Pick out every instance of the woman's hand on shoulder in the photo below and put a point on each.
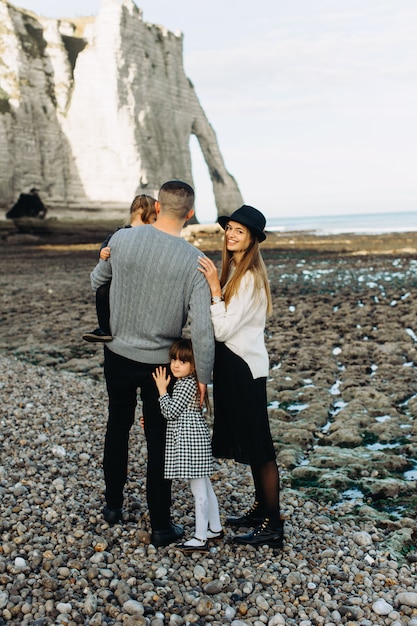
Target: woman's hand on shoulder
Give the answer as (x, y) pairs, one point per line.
(209, 270)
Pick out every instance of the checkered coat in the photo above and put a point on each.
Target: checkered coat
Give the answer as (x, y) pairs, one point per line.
(188, 447)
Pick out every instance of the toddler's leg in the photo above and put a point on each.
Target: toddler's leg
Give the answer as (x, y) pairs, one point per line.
(199, 491)
(102, 333)
(103, 307)
(199, 541)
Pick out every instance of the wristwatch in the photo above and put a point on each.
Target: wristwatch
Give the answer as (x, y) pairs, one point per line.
(216, 299)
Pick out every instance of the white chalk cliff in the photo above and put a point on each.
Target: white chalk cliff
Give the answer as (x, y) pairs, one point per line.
(96, 110)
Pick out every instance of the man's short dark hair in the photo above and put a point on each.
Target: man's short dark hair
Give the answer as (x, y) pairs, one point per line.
(176, 197)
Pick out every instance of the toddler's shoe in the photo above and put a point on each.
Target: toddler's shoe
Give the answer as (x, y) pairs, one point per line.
(194, 545)
(215, 535)
(97, 336)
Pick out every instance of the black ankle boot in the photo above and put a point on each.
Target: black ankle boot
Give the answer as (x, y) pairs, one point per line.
(267, 533)
(252, 517)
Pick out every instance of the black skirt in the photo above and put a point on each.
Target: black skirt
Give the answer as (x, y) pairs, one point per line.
(241, 425)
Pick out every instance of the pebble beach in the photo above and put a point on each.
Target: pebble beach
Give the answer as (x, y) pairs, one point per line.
(342, 387)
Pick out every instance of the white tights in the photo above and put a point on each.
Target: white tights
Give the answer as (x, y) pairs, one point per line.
(206, 507)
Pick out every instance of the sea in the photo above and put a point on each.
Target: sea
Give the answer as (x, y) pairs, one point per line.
(358, 223)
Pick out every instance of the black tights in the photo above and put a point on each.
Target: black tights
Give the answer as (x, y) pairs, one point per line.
(267, 487)
(103, 307)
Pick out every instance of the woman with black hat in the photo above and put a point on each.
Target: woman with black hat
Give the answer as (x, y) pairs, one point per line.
(241, 300)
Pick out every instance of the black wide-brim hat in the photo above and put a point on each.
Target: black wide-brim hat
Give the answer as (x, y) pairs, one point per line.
(248, 216)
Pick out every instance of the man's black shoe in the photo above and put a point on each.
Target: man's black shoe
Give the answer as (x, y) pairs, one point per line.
(161, 538)
(97, 336)
(112, 516)
(253, 517)
(268, 534)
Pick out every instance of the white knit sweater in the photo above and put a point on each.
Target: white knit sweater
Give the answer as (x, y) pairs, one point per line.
(241, 325)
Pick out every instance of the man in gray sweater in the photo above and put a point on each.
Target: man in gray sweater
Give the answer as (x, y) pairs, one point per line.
(155, 288)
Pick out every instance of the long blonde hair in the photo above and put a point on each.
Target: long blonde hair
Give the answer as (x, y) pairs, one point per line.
(251, 261)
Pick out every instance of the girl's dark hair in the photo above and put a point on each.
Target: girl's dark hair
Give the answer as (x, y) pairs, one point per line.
(182, 349)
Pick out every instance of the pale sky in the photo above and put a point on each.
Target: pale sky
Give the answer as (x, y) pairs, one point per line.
(313, 101)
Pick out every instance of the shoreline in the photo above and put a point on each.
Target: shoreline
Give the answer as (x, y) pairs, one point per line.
(44, 234)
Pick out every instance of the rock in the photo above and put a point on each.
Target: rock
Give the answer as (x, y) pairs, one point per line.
(351, 612)
(213, 587)
(262, 603)
(199, 572)
(204, 606)
(387, 487)
(362, 539)
(133, 607)
(90, 604)
(408, 598)
(229, 612)
(344, 437)
(4, 598)
(381, 607)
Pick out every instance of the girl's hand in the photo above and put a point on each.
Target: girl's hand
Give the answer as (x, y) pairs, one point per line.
(208, 268)
(105, 253)
(161, 379)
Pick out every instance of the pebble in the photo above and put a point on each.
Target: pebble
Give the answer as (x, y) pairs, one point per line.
(4, 598)
(408, 598)
(133, 607)
(90, 604)
(60, 563)
(204, 606)
(64, 607)
(381, 607)
(362, 538)
(199, 572)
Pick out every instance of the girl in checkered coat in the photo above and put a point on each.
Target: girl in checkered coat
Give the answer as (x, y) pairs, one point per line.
(188, 449)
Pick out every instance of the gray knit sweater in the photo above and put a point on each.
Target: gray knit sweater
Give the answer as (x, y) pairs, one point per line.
(155, 288)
